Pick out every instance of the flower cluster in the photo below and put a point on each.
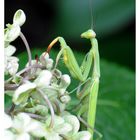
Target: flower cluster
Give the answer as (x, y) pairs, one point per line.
(10, 34)
(23, 127)
(39, 95)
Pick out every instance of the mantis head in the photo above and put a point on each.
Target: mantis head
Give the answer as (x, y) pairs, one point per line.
(88, 34)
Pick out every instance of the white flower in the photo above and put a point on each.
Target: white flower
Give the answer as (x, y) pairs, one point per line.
(43, 79)
(34, 71)
(74, 134)
(43, 58)
(11, 32)
(71, 119)
(23, 92)
(10, 50)
(8, 135)
(49, 64)
(60, 127)
(24, 126)
(7, 121)
(67, 125)
(82, 135)
(46, 61)
(19, 17)
(65, 98)
(11, 65)
(65, 81)
(11, 62)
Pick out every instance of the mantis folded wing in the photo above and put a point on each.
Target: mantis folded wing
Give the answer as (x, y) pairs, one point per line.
(82, 72)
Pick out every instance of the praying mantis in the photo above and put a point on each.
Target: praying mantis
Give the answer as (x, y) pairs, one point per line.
(81, 73)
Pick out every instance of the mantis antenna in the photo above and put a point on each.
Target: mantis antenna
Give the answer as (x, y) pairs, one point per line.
(91, 12)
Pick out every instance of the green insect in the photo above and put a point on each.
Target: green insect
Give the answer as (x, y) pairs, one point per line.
(81, 73)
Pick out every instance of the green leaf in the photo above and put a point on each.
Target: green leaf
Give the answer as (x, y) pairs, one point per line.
(116, 109)
(73, 16)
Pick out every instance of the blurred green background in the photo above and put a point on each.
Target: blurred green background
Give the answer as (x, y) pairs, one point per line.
(114, 24)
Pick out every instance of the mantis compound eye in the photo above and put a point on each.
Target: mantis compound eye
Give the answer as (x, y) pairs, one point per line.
(88, 34)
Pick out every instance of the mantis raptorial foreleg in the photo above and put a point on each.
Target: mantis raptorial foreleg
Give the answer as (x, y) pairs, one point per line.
(70, 60)
(82, 73)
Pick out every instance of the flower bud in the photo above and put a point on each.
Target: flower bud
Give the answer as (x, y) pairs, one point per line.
(43, 79)
(65, 81)
(43, 58)
(57, 73)
(12, 65)
(49, 64)
(34, 71)
(65, 99)
(19, 18)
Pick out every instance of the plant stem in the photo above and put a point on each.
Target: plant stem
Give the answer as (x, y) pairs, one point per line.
(35, 116)
(27, 47)
(49, 105)
(25, 70)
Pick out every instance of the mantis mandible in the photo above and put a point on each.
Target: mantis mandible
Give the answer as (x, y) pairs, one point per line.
(81, 73)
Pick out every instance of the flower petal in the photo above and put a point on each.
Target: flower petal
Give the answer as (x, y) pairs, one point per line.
(43, 79)
(23, 136)
(63, 128)
(20, 122)
(11, 33)
(12, 65)
(83, 135)
(52, 136)
(8, 135)
(71, 119)
(57, 121)
(36, 129)
(10, 50)
(7, 121)
(43, 58)
(22, 93)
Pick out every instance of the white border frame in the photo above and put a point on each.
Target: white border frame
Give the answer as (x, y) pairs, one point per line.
(1, 68)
